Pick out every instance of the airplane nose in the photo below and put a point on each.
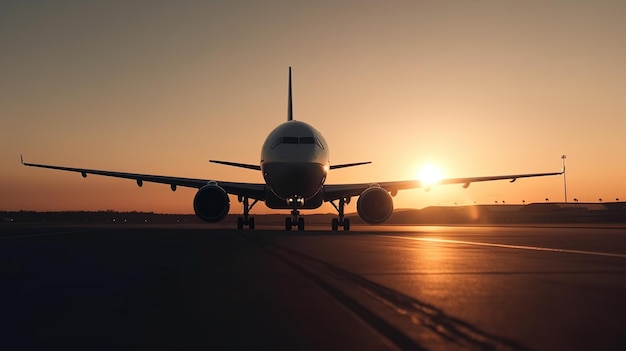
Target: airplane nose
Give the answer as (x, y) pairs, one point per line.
(303, 179)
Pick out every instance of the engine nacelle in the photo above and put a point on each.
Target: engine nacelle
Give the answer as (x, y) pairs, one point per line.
(211, 203)
(374, 205)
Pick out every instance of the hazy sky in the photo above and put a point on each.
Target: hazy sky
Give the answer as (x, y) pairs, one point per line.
(474, 87)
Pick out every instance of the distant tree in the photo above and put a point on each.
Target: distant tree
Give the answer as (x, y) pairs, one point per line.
(575, 200)
(617, 199)
(600, 199)
(503, 202)
(547, 199)
(523, 202)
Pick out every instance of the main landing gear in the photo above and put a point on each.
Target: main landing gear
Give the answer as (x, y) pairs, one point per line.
(295, 220)
(246, 219)
(340, 221)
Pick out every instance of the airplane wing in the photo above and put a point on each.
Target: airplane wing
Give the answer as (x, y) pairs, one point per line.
(349, 165)
(338, 191)
(240, 165)
(251, 190)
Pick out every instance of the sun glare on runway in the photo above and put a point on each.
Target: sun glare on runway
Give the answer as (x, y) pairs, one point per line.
(429, 174)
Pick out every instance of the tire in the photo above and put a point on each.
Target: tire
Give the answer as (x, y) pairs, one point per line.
(346, 225)
(251, 223)
(288, 223)
(300, 224)
(240, 223)
(334, 224)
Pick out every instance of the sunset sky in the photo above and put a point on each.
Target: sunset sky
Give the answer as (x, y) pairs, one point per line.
(474, 88)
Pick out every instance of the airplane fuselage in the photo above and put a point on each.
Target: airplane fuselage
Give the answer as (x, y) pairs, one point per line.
(294, 163)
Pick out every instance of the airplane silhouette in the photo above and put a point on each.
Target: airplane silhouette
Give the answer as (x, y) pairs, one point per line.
(294, 163)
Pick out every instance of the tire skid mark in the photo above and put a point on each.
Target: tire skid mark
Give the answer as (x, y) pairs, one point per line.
(452, 331)
(395, 336)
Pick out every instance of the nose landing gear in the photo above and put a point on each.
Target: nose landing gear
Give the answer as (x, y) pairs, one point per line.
(291, 222)
(295, 220)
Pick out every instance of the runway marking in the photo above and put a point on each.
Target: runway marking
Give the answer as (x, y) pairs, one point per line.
(40, 234)
(507, 246)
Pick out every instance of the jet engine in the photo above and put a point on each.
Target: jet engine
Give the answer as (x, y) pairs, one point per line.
(374, 205)
(211, 203)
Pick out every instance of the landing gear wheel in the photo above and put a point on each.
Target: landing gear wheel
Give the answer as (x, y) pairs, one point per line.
(251, 223)
(288, 223)
(341, 220)
(240, 223)
(246, 220)
(300, 224)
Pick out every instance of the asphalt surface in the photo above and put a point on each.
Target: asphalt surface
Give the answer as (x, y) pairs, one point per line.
(191, 287)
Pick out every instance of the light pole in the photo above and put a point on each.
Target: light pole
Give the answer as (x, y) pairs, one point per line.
(564, 181)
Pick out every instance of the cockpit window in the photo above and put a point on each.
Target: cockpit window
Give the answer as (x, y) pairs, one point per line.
(290, 140)
(319, 143)
(296, 140)
(276, 142)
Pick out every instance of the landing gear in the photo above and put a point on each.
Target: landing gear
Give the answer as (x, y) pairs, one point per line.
(241, 222)
(295, 220)
(340, 221)
(246, 219)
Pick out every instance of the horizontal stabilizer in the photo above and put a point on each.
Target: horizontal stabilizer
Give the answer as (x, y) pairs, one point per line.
(349, 165)
(240, 165)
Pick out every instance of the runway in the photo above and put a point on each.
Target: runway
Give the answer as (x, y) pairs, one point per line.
(386, 287)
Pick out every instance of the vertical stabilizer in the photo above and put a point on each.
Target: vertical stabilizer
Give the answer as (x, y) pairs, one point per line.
(289, 106)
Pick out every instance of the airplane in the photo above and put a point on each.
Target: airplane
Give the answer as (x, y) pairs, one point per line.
(294, 163)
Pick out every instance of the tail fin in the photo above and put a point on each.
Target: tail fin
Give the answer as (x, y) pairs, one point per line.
(289, 106)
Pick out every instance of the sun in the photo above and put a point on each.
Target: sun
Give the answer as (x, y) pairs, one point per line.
(429, 175)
